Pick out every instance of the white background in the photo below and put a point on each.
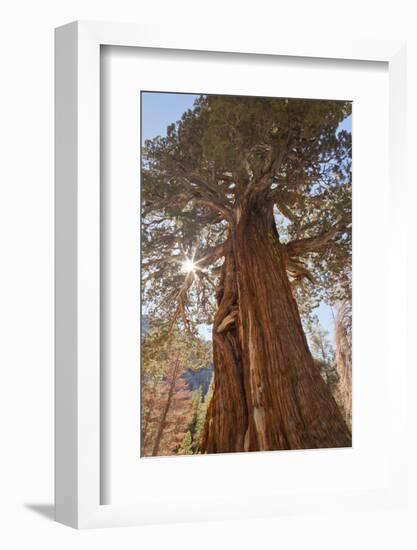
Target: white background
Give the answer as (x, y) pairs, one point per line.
(366, 465)
(26, 217)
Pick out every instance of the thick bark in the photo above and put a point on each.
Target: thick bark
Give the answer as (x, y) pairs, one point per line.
(226, 420)
(268, 393)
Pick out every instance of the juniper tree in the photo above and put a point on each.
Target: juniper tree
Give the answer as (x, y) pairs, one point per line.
(246, 208)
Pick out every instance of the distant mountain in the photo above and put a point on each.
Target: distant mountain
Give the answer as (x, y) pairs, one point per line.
(193, 378)
(144, 326)
(197, 378)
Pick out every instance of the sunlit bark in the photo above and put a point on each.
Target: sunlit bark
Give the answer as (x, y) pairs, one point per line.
(268, 392)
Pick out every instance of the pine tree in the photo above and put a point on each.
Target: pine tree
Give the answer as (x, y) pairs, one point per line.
(186, 447)
(167, 403)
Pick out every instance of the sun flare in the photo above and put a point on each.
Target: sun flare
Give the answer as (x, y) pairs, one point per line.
(188, 266)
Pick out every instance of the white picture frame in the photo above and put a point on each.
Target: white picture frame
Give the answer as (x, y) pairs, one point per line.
(78, 411)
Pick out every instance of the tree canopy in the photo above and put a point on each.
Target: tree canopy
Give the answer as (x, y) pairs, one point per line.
(195, 178)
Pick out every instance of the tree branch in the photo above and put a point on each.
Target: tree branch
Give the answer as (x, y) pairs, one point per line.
(209, 256)
(272, 165)
(183, 199)
(214, 205)
(179, 296)
(311, 244)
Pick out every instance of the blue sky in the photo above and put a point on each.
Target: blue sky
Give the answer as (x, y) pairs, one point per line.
(161, 109)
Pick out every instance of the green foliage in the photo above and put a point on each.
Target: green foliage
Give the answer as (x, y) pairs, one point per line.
(186, 447)
(191, 441)
(194, 179)
(168, 406)
(318, 338)
(323, 352)
(161, 342)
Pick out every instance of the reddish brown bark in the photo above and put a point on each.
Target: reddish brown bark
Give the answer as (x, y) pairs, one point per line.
(268, 393)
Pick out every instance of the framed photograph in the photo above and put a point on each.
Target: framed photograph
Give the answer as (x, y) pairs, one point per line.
(222, 349)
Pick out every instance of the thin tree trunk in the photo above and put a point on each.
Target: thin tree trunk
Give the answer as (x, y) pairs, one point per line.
(343, 324)
(146, 418)
(268, 393)
(166, 409)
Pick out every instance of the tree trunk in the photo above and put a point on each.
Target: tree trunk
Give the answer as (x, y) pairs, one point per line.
(162, 423)
(268, 393)
(146, 418)
(344, 358)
